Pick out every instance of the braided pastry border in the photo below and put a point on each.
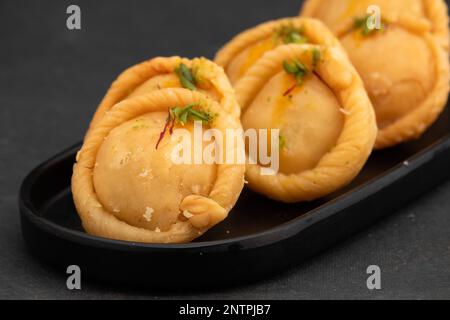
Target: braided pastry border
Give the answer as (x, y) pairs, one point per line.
(136, 75)
(436, 33)
(415, 123)
(314, 30)
(338, 167)
(98, 221)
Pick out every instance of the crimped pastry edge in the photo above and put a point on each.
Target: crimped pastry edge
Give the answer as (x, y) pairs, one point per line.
(136, 75)
(98, 221)
(436, 33)
(338, 167)
(314, 29)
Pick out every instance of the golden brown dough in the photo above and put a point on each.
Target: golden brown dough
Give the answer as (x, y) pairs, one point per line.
(404, 66)
(244, 50)
(326, 121)
(160, 73)
(125, 184)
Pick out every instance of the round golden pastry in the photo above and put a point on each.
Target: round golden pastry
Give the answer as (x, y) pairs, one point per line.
(125, 188)
(327, 123)
(404, 66)
(161, 73)
(244, 50)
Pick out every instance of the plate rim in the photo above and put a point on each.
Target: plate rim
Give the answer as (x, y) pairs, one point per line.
(259, 239)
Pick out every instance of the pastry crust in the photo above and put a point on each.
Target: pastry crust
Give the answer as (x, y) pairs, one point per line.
(425, 19)
(344, 161)
(204, 211)
(314, 30)
(134, 77)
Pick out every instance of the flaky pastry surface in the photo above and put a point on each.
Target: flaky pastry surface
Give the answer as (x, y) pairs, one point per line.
(354, 142)
(198, 210)
(404, 66)
(159, 73)
(255, 42)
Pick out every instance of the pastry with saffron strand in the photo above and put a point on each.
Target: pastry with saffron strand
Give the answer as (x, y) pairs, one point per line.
(244, 50)
(198, 74)
(401, 53)
(315, 98)
(126, 183)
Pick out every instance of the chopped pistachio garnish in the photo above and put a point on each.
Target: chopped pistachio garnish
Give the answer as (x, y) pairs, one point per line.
(182, 116)
(362, 23)
(316, 56)
(290, 34)
(281, 142)
(186, 78)
(188, 113)
(296, 68)
(202, 72)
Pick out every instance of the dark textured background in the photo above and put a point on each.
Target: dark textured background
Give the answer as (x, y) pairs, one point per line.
(51, 80)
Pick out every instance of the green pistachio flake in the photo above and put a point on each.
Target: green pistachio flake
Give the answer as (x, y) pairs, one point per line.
(290, 34)
(185, 76)
(188, 113)
(296, 68)
(361, 23)
(281, 142)
(316, 56)
(183, 116)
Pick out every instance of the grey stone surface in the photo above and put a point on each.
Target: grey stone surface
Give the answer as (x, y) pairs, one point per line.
(51, 79)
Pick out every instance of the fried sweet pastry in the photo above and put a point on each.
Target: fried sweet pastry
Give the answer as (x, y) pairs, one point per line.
(198, 74)
(125, 184)
(245, 49)
(315, 97)
(404, 65)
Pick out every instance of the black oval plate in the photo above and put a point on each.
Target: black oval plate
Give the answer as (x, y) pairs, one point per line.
(260, 237)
